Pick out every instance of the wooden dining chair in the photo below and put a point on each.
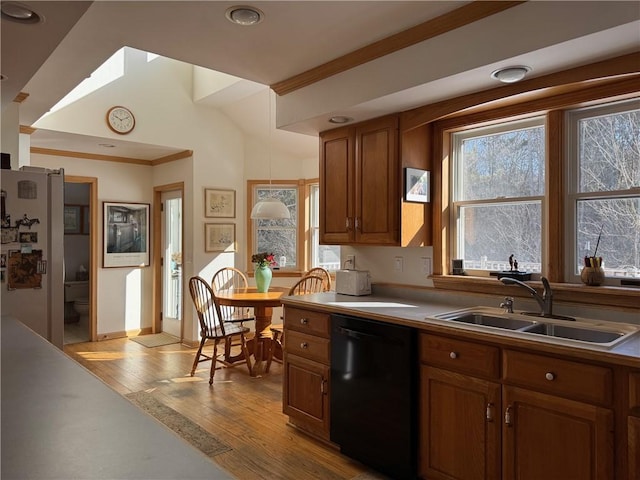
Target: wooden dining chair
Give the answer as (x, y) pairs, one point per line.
(307, 284)
(230, 278)
(211, 328)
(321, 272)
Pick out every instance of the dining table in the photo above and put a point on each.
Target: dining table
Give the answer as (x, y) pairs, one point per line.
(262, 304)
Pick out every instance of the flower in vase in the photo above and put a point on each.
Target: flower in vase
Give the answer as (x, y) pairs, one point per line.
(263, 259)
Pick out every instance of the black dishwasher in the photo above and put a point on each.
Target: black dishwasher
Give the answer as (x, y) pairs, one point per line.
(374, 394)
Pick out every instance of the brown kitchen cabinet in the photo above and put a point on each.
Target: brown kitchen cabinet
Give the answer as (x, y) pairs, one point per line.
(633, 425)
(359, 184)
(306, 370)
(552, 416)
(460, 426)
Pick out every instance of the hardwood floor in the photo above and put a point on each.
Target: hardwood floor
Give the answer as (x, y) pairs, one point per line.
(243, 412)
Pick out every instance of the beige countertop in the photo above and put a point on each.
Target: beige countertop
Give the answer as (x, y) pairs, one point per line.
(421, 315)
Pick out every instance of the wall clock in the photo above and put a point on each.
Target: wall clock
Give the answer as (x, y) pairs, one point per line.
(120, 120)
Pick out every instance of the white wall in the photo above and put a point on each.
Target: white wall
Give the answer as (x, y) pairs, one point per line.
(160, 96)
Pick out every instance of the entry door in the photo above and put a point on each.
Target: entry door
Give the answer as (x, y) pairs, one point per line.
(172, 263)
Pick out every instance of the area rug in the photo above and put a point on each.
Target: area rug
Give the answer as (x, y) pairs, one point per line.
(192, 433)
(155, 340)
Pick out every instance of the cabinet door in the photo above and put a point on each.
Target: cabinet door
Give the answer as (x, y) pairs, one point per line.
(634, 447)
(306, 394)
(551, 437)
(377, 187)
(336, 186)
(460, 420)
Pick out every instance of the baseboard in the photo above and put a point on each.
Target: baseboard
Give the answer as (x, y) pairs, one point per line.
(123, 334)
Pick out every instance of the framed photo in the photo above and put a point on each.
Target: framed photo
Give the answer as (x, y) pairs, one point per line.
(72, 219)
(417, 185)
(219, 203)
(126, 234)
(10, 235)
(219, 237)
(28, 237)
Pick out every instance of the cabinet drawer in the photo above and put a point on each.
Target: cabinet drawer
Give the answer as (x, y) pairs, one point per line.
(564, 378)
(307, 346)
(468, 357)
(634, 393)
(307, 321)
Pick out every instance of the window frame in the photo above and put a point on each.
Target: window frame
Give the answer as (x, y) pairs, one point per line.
(572, 174)
(457, 137)
(553, 102)
(301, 243)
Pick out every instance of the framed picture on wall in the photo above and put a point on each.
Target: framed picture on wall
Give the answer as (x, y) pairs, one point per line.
(219, 237)
(72, 219)
(126, 234)
(416, 185)
(219, 203)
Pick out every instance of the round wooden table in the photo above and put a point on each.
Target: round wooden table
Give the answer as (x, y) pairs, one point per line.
(262, 304)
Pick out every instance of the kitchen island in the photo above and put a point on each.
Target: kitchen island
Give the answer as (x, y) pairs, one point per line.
(505, 398)
(61, 422)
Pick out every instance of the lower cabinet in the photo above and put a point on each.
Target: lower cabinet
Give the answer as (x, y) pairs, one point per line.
(306, 398)
(460, 426)
(531, 422)
(307, 369)
(550, 437)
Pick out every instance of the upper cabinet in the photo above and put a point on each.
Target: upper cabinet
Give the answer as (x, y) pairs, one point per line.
(361, 178)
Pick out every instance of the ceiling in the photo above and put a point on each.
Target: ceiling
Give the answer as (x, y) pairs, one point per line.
(48, 59)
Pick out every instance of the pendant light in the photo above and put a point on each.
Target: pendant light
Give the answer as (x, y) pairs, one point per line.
(270, 208)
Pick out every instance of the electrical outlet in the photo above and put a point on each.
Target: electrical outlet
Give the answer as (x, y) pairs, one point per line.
(398, 264)
(350, 262)
(426, 265)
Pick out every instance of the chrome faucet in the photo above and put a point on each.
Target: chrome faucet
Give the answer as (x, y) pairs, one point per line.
(545, 301)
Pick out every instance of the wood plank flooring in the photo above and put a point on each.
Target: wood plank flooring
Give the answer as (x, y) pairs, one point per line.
(244, 412)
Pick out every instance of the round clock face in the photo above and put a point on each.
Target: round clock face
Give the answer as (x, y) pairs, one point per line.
(120, 120)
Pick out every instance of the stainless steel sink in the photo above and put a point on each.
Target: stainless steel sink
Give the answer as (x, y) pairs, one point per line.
(478, 318)
(574, 333)
(557, 329)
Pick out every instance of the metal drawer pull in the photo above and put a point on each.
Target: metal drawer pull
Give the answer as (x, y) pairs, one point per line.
(304, 321)
(507, 416)
(549, 376)
(453, 355)
(304, 345)
(489, 412)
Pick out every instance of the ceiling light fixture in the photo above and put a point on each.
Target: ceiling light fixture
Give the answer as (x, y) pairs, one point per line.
(244, 15)
(16, 12)
(511, 74)
(270, 208)
(340, 119)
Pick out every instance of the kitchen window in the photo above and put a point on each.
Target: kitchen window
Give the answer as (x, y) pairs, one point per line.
(325, 256)
(295, 241)
(604, 189)
(279, 237)
(498, 192)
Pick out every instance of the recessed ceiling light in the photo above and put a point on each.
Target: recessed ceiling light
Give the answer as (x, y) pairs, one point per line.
(16, 12)
(340, 119)
(511, 74)
(244, 15)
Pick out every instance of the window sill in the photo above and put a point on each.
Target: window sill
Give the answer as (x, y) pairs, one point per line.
(624, 298)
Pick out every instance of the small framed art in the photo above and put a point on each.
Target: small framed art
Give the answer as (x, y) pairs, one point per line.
(416, 185)
(219, 237)
(219, 203)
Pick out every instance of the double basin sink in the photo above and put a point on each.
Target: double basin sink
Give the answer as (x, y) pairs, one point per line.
(559, 329)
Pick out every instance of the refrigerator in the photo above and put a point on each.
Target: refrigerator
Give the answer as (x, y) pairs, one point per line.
(32, 257)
